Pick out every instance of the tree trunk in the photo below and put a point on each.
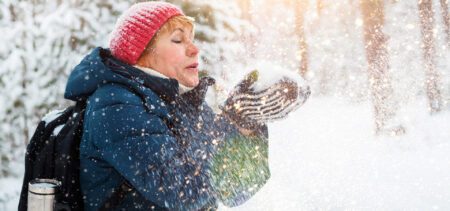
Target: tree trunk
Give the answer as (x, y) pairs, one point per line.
(431, 74)
(300, 7)
(378, 67)
(319, 7)
(446, 19)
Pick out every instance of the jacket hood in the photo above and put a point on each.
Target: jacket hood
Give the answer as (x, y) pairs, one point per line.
(100, 67)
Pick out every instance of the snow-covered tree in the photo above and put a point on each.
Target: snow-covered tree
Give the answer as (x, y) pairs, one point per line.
(446, 19)
(385, 104)
(42, 42)
(431, 73)
(300, 7)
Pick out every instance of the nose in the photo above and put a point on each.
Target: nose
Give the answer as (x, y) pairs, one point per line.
(192, 50)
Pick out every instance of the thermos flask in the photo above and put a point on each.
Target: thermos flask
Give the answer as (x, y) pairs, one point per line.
(42, 194)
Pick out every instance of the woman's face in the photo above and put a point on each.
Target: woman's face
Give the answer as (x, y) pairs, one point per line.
(175, 55)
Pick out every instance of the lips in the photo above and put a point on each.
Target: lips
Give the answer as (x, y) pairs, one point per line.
(192, 67)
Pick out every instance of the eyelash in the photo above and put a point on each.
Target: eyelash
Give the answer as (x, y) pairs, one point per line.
(180, 41)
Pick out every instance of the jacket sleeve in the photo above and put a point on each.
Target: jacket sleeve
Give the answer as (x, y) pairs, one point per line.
(240, 166)
(144, 151)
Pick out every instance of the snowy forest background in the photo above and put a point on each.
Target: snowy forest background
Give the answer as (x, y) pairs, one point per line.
(374, 134)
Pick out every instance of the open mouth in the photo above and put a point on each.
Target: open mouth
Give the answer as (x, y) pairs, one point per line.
(192, 67)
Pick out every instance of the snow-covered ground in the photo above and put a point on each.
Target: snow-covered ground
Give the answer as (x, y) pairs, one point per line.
(325, 156)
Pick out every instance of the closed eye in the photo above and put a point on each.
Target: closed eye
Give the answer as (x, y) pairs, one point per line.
(176, 41)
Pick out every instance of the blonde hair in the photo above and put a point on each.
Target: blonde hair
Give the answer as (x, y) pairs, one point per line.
(168, 27)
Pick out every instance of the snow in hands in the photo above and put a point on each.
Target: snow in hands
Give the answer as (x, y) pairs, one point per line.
(267, 94)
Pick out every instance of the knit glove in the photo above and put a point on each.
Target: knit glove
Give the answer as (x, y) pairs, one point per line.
(250, 107)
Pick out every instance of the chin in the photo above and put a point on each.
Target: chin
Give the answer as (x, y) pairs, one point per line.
(194, 83)
(190, 83)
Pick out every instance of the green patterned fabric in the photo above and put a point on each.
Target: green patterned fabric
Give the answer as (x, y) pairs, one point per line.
(240, 168)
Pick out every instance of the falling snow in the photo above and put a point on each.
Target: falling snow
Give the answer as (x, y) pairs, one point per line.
(324, 156)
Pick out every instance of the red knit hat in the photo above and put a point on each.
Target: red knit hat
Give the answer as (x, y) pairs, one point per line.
(137, 26)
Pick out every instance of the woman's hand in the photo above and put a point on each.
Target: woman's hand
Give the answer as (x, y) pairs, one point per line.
(250, 108)
(244, 131)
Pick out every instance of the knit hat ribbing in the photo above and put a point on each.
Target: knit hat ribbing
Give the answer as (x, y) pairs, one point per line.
(136, 27)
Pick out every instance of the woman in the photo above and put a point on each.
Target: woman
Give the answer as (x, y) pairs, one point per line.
(146, 122)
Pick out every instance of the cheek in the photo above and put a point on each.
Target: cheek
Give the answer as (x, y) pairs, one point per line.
(169, 62)
(172, 57)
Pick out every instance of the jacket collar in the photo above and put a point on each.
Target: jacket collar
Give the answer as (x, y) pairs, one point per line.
(196, 96)
(182, 88)
(166, 88)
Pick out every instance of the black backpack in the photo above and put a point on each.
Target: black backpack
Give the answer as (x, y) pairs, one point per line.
(53, 153)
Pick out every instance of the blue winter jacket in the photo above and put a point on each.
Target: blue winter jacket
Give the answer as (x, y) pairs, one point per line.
(139, 128)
